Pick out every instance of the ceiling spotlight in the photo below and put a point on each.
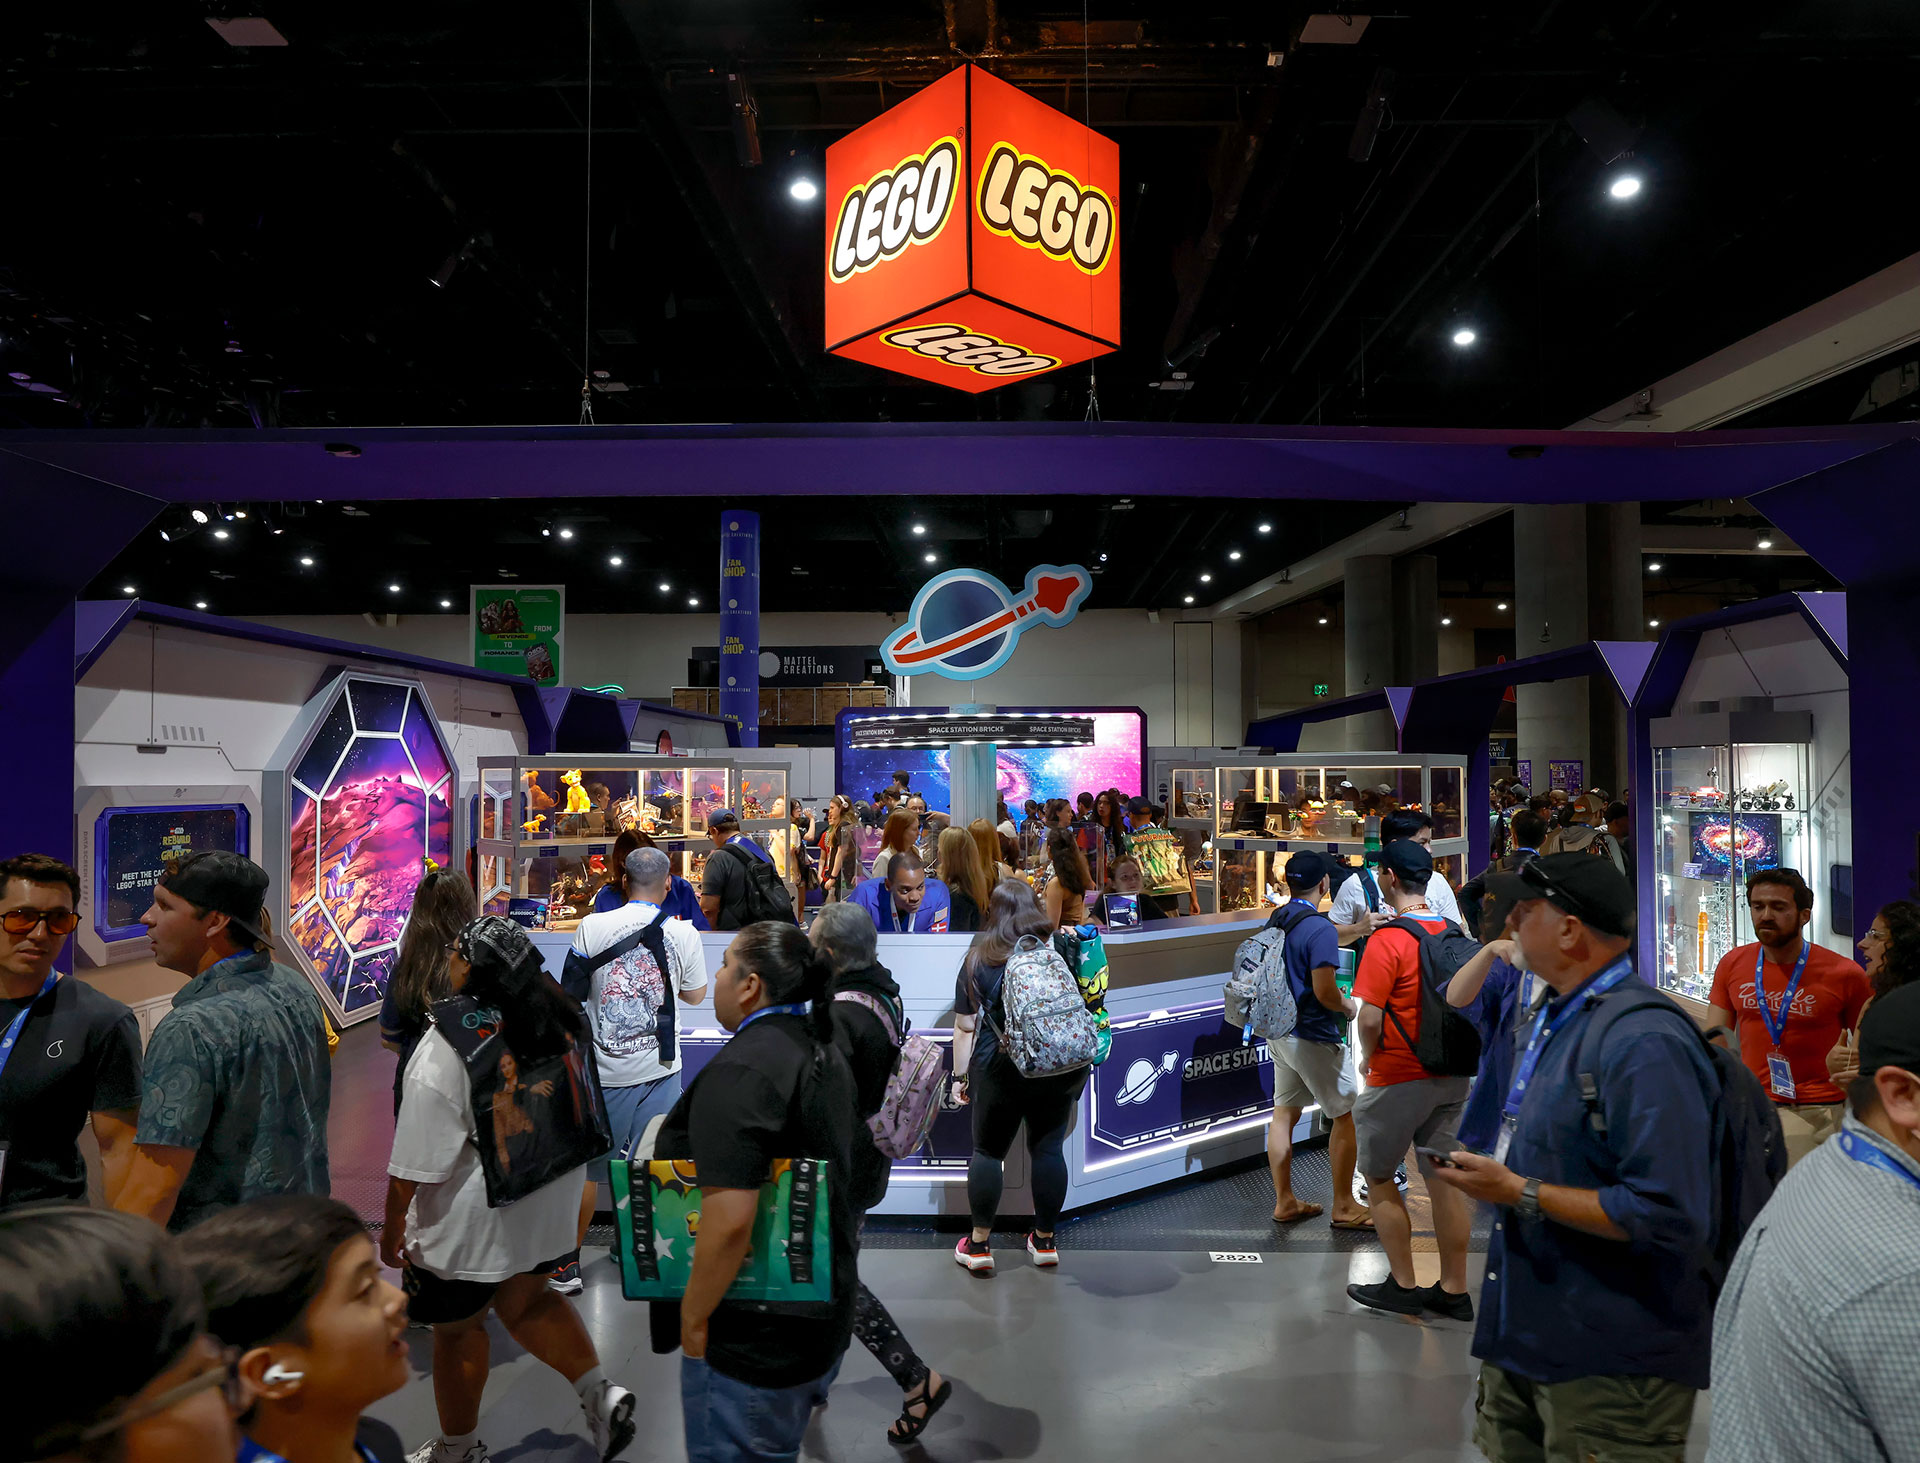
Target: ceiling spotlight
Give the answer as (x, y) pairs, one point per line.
(1653, 624)
(1501, 606)
(1206, 579)
(566, 533)
(1763, 539)
(1266, 528)
(1103, 558)
(804, 190)
(545, 532)
(165, 537)
(1653, 566)
(446, 604)
(1189, 599)
(1465, 336)
(933, 558)
(128, 589)
(666, 588)
(1627, 185)
(199, 604)
(221, 533)
(1446, 619)
(238, 513)
(306, 561)
(199, 515)
(1323, 619)
(1233, 553)
(393, 589)
(694, 603)
(919, 529)
(615, 560)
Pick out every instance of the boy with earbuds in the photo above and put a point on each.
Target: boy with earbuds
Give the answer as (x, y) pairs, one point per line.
(294, 1285)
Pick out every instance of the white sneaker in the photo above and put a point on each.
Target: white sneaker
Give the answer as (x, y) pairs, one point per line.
(435, 1450)
(610, 1418)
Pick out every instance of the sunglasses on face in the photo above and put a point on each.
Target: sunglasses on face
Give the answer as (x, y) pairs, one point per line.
(23, 921)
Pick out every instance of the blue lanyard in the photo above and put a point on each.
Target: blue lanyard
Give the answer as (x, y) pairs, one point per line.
(1778, 1030)
(1543, 1029)
(19, 1022)
(252, 1452)
(794, 1010)
(1861, 1151)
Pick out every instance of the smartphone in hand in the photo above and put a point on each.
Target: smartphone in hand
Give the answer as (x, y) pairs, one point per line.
(1438, 1157)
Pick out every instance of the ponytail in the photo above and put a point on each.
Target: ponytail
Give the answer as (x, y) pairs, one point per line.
(791, 969)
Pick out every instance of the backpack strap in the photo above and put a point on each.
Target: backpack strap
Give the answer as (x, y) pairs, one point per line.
(576, 975)
(1611, 1008)
(882, 1009)
(1372, 888)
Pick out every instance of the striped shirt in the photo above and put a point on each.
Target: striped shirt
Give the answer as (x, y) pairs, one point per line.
(1819, 1324)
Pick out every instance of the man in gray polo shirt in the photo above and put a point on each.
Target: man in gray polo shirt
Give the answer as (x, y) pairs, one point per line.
(1818, 1326)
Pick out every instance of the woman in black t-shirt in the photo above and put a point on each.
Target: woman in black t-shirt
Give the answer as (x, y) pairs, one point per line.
(779, 1089)
(1002, 1099)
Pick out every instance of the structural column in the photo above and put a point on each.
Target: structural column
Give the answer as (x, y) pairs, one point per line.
(1550, 613)
(1416, 619)
(1370, 667)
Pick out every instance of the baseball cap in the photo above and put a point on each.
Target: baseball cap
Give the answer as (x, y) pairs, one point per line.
(1407, 856)
(722, 815)
(1890, 1032)
(1307, 868)
(223, 883)
(1139, 805)
(1590, 889)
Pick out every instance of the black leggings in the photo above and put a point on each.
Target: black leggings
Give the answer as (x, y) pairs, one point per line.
(878, 1333)
(1001, 1100)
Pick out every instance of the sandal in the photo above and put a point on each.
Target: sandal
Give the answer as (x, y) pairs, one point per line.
(914, 1426)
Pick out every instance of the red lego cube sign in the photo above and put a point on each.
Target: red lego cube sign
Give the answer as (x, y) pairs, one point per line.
(973, 237)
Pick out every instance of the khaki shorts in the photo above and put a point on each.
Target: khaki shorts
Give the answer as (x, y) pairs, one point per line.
(1306, 1072)
(1391, 1119)
(1586, 1420)
(1806, 1128)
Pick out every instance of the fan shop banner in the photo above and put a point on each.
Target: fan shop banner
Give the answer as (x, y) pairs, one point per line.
(973, 237)
(1174, 1077)
(740, 623)
(519, 629)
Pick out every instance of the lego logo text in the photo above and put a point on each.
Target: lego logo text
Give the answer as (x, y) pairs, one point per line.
(960, 347)
(1025, 200)
(907, 204)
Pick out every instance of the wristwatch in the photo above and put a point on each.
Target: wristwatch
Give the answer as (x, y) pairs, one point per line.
(1528, 1205)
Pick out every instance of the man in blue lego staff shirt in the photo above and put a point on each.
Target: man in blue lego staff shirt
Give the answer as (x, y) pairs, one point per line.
(1596, 1314)
(237, 1083)
(1310, 1063)
(909, 901)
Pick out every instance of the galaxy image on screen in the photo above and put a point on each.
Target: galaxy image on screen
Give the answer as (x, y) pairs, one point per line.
(1025, 772)
(370, 801)
(1719, 842)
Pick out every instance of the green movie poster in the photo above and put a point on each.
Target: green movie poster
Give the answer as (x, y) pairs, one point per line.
(518, 628)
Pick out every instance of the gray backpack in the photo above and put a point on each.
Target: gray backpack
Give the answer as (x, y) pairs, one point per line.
(1258, 995)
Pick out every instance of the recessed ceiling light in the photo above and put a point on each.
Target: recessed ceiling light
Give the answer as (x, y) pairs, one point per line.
(1103, 558)
(393, 589)
(666, 588)
(615, 560)
(1206, 579)
(1465, 336)
(1189, 599)
(199, 604)
(1653, 567)
(446, 604)
(919, 528)
(306, 561)
(566, 533)
(803, 189)
(1266, 528)
(1323, 619)
(1446, 619)
(239, 513)
(199, 515)
(1624, 186)
(546, 532)
(1501, 606)
(1763, 540)
(128, 589)
(933, 558)
(694, 602)
(1233, 554)
(221, 533)
(1653, 624)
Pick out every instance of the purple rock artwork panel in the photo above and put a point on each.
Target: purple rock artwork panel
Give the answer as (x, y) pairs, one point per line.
(371, 802)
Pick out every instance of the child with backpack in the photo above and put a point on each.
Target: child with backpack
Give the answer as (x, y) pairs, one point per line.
(1025, 1040)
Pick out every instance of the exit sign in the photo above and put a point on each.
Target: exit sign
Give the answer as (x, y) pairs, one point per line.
(1321, 688)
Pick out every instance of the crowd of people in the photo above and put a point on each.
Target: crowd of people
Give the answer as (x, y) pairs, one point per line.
(1647, 1236)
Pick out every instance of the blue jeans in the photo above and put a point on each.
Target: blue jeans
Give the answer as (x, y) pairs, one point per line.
(730, 1421)
(629, 1110)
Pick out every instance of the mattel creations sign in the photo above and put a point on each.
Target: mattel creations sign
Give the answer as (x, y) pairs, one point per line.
(973, 237)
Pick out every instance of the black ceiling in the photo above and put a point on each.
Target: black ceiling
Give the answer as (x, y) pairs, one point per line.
(204, 235)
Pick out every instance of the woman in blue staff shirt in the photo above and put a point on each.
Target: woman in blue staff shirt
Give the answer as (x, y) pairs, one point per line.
(682, 902)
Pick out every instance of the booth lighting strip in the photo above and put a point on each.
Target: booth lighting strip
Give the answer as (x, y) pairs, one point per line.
(1172, 1145)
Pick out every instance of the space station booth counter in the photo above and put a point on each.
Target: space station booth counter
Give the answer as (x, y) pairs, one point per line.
(1180, 1093)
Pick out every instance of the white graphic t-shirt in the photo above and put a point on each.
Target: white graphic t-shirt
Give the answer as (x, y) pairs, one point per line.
(624, 1005)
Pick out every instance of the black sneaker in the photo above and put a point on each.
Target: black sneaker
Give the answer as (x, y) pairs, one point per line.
(564, 1278)
(1390, 1295)
(1446, 1303)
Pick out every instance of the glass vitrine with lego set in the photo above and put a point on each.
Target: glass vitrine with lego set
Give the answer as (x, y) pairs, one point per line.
(1190, 813)
(546, 826)
(1266, 809)
(1721, 812)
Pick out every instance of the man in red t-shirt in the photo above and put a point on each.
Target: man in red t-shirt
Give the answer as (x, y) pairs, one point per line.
(1787, 1049)
(1404, 1104)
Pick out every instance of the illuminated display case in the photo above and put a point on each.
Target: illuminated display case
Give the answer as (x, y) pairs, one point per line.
(1266, 809)
(1723, 809)
(358, 797)
(547, 825)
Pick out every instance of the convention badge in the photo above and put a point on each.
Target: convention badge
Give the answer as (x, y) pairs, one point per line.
(1503, 1142)
(1780, 1076)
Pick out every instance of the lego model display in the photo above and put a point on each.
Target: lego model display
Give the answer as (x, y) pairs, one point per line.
(547, 825)
(369, 798)
(1723, 812)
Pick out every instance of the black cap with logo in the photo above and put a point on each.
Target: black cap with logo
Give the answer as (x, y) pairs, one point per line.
(1590, 889)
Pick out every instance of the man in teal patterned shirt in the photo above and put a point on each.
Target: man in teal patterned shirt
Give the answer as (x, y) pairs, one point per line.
(237, 1081)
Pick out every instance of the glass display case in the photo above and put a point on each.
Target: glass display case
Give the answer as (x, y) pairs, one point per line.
(1722, 811)
(547, 825)
(1264, 810)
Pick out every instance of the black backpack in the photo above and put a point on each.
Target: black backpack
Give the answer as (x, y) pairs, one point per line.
(1449, 1044)
(766, 896)
(1749, 1150)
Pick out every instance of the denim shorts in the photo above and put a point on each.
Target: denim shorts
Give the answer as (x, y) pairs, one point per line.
(730, 1421)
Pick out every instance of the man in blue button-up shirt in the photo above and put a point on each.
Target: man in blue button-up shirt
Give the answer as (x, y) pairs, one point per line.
(1595, 1318)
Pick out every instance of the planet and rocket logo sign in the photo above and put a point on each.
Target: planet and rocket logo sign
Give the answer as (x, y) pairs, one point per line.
(965, 623)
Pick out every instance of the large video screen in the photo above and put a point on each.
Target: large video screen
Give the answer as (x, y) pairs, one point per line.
(133, 845)
(1114, 760)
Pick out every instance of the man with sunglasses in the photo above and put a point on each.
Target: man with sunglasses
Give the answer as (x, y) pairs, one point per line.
(68, 1054)
(1596, 1314)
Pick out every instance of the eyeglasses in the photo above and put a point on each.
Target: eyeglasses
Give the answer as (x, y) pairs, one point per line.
(223, 1371)
(23, 921)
